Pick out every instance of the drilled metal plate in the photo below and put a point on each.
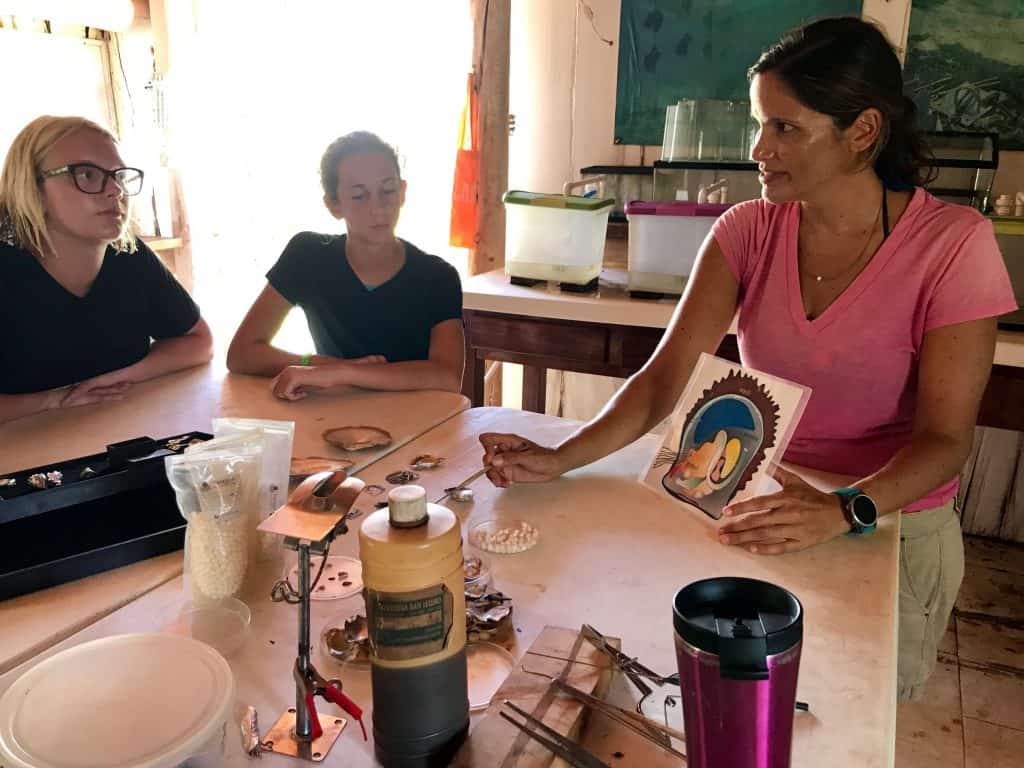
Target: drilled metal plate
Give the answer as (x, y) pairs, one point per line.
(281, 738)
(342, 577)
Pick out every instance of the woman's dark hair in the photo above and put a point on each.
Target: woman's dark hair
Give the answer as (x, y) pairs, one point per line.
(842, 66)
(355, 143)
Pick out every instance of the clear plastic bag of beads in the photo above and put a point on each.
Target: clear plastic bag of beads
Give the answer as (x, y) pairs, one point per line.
(217, 489)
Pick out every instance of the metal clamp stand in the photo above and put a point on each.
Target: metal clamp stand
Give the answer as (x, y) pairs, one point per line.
(314, 515)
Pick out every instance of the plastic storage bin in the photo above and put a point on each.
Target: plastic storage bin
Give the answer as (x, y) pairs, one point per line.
(664, 238)
(555, 237)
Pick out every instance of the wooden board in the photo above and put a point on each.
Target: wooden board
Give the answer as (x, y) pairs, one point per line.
(495, 742)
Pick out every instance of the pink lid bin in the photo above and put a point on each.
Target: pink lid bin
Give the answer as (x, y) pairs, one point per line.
(664, 238)
(674, 208)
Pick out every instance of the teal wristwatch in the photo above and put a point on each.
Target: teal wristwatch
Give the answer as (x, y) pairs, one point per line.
(859, 508)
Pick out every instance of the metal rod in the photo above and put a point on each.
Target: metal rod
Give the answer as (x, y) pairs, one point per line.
(303, 724)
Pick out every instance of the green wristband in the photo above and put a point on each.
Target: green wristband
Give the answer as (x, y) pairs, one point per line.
(305, 359)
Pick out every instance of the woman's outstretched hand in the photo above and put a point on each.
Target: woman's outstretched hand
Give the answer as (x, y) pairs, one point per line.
(514, 459)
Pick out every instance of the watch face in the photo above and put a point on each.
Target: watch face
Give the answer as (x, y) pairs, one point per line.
(864, 511)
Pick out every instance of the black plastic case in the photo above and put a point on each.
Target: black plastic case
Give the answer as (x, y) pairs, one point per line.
(122, 512)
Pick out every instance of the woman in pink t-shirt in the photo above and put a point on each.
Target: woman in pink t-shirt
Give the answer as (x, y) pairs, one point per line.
(853, 280)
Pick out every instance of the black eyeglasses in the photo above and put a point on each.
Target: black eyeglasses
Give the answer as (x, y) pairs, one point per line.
(92, 180)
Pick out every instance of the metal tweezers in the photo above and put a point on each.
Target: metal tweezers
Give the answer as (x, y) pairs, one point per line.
(564, 747)
(630, 667)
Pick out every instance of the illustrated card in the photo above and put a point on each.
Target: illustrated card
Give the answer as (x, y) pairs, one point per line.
(728, 431)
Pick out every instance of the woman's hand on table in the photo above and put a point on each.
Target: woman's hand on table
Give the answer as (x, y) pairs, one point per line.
(797, 517)
(514, 459)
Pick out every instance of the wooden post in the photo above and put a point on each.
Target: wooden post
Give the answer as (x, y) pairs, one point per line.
(491, 44)
(491, 48)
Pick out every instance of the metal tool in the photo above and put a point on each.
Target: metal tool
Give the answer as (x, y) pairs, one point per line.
(649, 729)
(315, 513)
(467, 495)
(454, 491)
(630, 666)
(567, 749)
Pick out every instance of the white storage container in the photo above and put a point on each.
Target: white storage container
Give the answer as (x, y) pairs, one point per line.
(554, 237)
(664, 238)
(134, 701)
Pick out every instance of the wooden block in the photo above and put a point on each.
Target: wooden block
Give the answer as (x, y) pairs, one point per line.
(496, 742)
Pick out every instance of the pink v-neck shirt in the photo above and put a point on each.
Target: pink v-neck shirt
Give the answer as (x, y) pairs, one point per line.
(940, 265)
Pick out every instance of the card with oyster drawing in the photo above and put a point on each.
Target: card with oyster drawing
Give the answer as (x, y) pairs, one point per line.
(726, 435)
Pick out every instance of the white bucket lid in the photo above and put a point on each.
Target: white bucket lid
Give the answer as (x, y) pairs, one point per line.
(128, 701)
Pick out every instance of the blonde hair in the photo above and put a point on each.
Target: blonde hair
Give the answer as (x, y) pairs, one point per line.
(22, 218)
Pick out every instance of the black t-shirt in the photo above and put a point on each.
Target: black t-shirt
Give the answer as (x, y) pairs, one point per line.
(347, 319)
(53, 338)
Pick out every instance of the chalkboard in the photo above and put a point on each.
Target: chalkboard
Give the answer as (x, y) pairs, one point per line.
(697, 49)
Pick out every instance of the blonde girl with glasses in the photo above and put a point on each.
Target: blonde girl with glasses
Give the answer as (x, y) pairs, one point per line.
(89, 310)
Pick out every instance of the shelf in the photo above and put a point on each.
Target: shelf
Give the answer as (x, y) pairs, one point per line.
(619, 170)
(163, 243)
(706, 165)
(1008, 225)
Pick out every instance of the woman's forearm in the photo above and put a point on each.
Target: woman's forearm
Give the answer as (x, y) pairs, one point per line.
(168, 355)
(928, 462)
(634, 410)
(15, 406)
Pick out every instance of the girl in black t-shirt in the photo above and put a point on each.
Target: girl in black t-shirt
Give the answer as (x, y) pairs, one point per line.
(383, 314)
(89, 309)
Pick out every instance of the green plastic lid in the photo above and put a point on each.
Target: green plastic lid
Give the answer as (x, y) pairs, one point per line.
(573, 202)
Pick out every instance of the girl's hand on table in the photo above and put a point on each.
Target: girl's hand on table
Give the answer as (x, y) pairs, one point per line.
(514, 459)
(797, 517)
(99, 389)
(368, 360)
(297, 381)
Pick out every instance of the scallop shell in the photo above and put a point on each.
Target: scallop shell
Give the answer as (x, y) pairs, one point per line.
(357, 438)
(310, 465)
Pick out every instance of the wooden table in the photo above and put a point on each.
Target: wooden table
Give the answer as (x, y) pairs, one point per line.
(181, 402)
(611, 553)
(610, 334)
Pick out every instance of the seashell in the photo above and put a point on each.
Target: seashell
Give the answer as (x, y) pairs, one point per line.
(6, 482)
(310, 465)
(402, 477)
(426, 461)
(373, 490)
(357, 438)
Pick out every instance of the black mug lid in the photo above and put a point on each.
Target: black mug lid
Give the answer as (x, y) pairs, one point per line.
(742, 621)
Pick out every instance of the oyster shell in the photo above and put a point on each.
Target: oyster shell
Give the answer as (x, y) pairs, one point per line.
(357, 438)
(310, 465)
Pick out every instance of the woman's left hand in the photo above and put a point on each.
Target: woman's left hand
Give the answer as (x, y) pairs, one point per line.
(297, 381)
(797, 517)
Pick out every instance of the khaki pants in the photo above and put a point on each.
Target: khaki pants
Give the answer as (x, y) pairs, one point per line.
(931, 570)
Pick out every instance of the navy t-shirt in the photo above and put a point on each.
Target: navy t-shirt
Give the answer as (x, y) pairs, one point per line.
(347, 319)
(53, 338)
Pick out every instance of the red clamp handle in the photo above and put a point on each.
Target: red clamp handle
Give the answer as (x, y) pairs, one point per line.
(317, 730)
(333, 693)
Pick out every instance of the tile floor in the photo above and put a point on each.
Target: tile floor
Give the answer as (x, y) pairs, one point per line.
(973, 713)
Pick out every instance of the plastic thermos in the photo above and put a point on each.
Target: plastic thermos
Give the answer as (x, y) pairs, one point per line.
(416, 612)
(738, 648)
